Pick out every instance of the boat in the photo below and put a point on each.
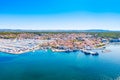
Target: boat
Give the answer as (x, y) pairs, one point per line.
(68, 50)
(58, 50)
(75, 50)
(94, 53)
(86, 52)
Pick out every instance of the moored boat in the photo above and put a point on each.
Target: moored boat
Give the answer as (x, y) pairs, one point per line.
(94, 53)
(75, 50)
(86, 52)
(58, 50)
(68, 51)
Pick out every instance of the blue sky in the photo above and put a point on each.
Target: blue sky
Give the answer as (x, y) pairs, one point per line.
(60, 14)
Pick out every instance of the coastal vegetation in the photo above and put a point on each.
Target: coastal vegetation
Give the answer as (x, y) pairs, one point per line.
(8, 35)
(106, 34)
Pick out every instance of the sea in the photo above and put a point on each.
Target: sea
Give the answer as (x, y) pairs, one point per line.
(48, 65)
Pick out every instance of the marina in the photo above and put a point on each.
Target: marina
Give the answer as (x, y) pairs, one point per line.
(20, 46)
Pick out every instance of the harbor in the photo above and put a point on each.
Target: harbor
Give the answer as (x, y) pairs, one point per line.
(20, 46)
(57, 42)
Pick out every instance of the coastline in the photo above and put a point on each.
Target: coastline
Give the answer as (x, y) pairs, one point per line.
(52, 49)
(59, 42)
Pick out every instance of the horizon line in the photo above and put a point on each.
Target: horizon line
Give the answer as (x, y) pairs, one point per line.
(60, 29)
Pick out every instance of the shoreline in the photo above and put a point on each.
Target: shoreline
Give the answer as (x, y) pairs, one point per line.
(52, 49)
(102, 48)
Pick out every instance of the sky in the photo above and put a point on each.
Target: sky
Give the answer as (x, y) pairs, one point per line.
(60, 14)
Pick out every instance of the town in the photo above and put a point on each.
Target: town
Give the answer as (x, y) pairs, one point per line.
(17, 43)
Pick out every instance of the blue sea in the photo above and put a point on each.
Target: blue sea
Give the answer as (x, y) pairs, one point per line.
(47, 65)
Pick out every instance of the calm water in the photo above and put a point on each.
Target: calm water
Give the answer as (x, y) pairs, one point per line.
(41, 65)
